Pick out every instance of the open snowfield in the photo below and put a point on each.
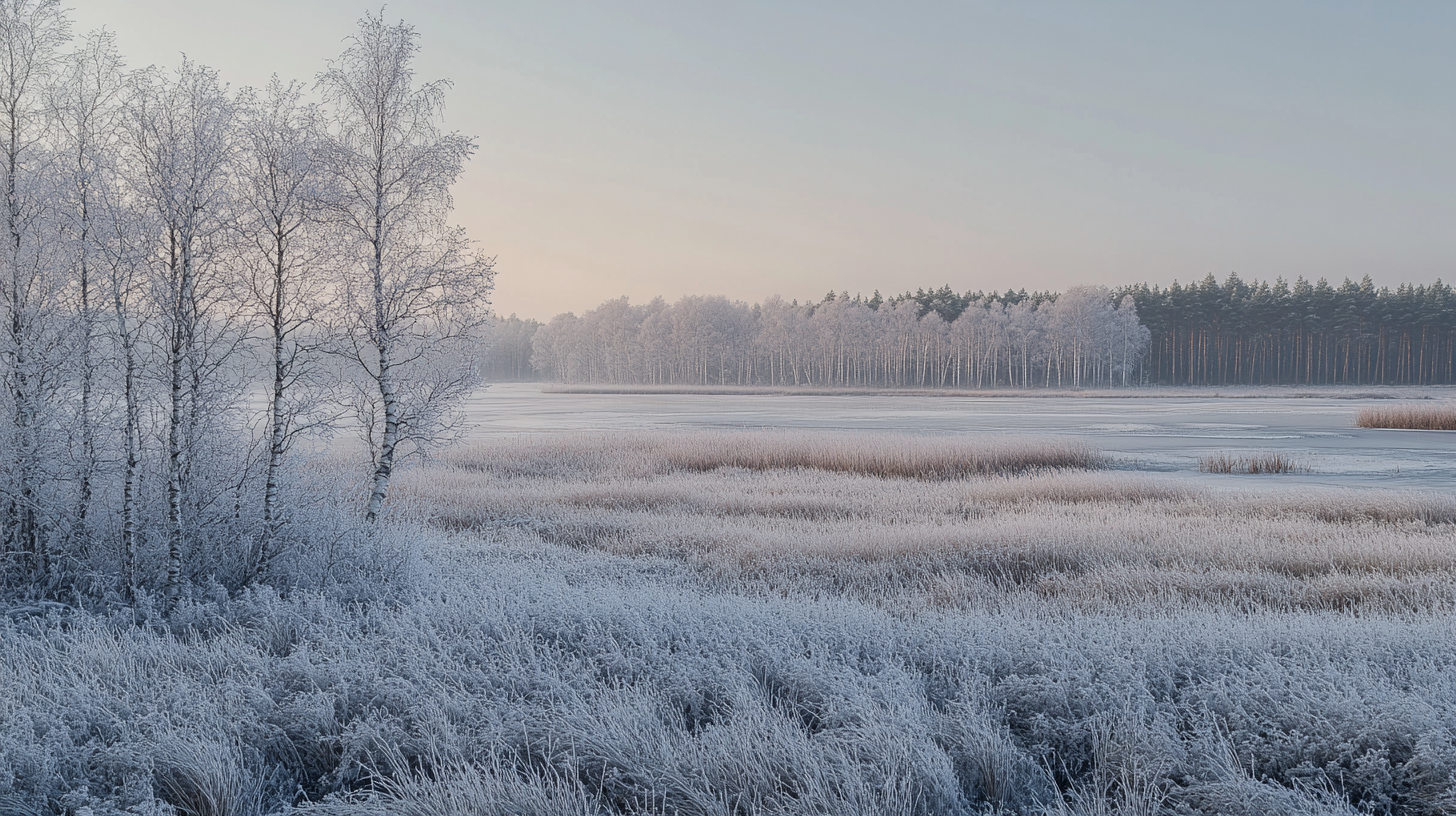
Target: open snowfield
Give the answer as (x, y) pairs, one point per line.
(1143, 431)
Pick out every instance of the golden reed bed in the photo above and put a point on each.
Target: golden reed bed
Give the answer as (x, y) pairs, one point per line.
(1409, 417)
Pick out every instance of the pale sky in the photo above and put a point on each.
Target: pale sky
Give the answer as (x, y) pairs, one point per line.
(757, 148)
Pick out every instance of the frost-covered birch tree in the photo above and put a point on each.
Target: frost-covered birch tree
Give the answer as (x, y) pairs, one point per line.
(85, 115)
(124, 232)
(31, 286)
(415, 294)
(181, 133)
(286, 262)
(159, 236)
(1130, 338)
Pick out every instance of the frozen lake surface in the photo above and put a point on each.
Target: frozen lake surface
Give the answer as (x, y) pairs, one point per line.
(1149, 433)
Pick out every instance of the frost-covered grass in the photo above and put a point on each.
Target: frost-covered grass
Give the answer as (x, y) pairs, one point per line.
(600, 633)
(529, 679)
(1201, 392)
(1084, 539)
(887, 455)
(1409, 417)
(1253, 463)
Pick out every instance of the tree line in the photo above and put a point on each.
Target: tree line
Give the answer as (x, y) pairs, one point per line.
(1080, 338)
(1208, 333)
(193, 279)
(1262, 333)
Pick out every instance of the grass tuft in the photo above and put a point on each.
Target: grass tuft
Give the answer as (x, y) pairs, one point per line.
(1409, 417)
(1259, 463)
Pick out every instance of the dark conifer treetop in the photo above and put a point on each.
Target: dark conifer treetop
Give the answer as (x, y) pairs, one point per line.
(1262, 333)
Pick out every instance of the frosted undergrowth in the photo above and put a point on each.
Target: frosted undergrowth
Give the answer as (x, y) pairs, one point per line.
(533, 679)
(591, 628)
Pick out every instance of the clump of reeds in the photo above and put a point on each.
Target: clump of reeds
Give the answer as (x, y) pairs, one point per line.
(1409, 417)
(1257, 463)
(918, 457)
(881, 455)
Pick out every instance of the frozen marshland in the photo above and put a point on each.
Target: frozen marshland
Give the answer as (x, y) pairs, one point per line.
(1139, 429)
(688, 604)
(248, 567)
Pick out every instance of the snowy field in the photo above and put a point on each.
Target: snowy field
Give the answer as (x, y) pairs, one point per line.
(1148, 433)
(613, 605)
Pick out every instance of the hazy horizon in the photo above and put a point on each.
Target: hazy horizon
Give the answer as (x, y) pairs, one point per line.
(667, 149)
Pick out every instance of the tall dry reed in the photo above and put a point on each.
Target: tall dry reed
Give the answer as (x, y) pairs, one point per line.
(1409, 417)
(1254, 463)
(882, 455)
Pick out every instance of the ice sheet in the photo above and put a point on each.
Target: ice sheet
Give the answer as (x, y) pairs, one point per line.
(1161, 434)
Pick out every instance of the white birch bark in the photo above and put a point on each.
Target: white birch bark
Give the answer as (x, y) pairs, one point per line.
(416, 296)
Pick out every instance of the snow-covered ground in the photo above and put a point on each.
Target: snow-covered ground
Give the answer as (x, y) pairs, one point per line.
(1144, 432)
(660, 617)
